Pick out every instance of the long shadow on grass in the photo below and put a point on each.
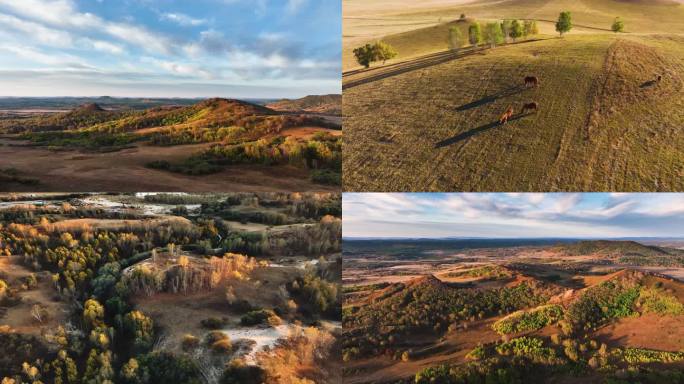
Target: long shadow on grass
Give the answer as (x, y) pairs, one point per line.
(648, 84)
(475, 131)
(491, 98)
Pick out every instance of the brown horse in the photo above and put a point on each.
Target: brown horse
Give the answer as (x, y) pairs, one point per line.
(531, 81)
(533, 106)
(507, 115)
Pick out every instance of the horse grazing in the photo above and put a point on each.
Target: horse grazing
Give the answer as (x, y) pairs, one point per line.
(506, 115)
(531, 81)
(533, 106)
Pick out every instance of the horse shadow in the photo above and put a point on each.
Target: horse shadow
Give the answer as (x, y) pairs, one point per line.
(648, 84)
(476, 131)
(492, 98)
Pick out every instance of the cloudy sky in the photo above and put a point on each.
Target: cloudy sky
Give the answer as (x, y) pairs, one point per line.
(170, 48)
(511, 215)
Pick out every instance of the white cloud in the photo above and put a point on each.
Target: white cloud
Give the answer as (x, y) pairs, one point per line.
(43, 58)
(293, 6)
(35, 31)
(182, 19)
(63, 13)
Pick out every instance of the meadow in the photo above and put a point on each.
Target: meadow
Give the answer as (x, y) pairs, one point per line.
(428, 120)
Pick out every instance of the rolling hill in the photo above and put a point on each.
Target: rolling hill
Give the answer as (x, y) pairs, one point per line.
(413, 23)
(604, 122)
(522, 330)
(321, 104)
(194, 140)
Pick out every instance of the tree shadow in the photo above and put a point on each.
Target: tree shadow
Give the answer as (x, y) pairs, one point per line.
(648, 84)
(476, 131)
(491, 98)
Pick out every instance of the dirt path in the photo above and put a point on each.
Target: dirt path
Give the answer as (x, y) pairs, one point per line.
(125, 171)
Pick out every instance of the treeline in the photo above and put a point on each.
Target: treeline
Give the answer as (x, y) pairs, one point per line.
(187, 274)
(240, 130)
(322, 152)
(311, 239)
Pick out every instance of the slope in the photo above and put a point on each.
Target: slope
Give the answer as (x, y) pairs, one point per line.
(603, 123)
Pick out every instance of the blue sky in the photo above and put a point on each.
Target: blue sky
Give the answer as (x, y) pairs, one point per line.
(513, 215)
(170, 48)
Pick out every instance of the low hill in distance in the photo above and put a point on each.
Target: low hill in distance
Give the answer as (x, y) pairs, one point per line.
(323, 104)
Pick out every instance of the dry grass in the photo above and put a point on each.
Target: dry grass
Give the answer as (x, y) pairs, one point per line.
(598, 127)
(366, 21)
(19, 317)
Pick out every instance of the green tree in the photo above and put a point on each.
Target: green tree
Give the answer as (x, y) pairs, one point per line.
(493, 34)
(618, 25)
(475, 34)
(506, 29)
(564, 23)
(516, 30)
(530, 28)
(384, 51)
(365, 55)
(455, 38)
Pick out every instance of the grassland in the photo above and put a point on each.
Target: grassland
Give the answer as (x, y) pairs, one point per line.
(599, 126)
(604, 124)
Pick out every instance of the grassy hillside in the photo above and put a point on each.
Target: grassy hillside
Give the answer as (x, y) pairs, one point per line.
(618, 248)
(414, 23)
(425, 331)
(602, 123)
(239, 133)
(627, 253)
(325, 104)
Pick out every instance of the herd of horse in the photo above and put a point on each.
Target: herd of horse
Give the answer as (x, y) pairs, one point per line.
(530, 82)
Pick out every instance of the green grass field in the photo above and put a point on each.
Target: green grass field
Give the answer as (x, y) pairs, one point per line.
(601, 125)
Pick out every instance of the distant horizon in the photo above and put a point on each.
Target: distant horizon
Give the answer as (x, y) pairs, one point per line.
(513, 215)
(163, 97)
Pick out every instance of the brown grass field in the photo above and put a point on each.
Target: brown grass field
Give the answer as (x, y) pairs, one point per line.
(125, 171)
(429, 119)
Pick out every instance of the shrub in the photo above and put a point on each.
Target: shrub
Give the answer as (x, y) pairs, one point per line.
(261, 316)
(214, 323)
(215, 336)
(531, 320)
(478, 353)
(657, 301)
(189, 342)
(222, 346)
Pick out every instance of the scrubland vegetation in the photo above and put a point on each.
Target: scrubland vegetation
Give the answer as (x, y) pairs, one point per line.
(97, 282)
(216, 132)
(510, 323)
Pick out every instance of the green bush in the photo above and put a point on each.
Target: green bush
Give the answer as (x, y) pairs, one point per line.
(657, 301)
(531, 320)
